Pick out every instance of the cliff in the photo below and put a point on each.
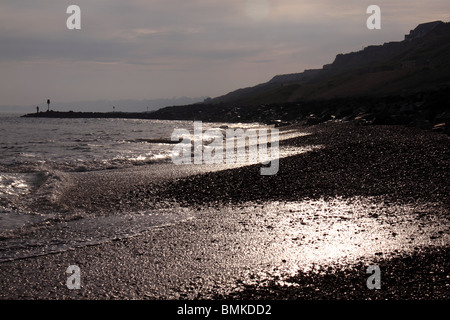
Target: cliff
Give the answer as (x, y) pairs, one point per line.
(420, 62)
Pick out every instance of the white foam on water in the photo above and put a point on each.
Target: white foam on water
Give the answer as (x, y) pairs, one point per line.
(14, 184)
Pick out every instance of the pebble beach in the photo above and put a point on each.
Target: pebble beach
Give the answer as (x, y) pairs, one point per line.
(370, 195)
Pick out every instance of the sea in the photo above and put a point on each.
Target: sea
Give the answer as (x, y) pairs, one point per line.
(37, 155)
(33, 144)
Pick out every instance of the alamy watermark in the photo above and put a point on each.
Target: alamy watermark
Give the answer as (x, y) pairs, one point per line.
(374, 281)
(374, 21)
(234, 146)
(74, 20)
(74, 280)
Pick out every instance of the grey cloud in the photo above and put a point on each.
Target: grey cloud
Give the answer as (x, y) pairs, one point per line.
(198, 47)
(40, 48)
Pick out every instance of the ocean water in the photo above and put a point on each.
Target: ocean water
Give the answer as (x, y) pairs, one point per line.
(31, 144)
(40, 155)
(32, 149)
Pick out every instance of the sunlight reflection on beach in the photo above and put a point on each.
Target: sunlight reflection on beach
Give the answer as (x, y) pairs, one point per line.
(314, 233)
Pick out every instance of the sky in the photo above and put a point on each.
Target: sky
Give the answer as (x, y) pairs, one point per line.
(152, 49)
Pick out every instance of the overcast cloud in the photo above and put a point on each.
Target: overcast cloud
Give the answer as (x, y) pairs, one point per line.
(164, 48)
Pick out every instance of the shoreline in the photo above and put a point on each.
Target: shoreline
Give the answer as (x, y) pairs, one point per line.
(234, 236)
(423, 109)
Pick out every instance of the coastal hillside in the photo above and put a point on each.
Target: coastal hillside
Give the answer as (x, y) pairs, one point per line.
(405, 82)
(420, 62)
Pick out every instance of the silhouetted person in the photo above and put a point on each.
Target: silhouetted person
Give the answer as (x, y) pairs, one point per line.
(37, 109)
(48, 105)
